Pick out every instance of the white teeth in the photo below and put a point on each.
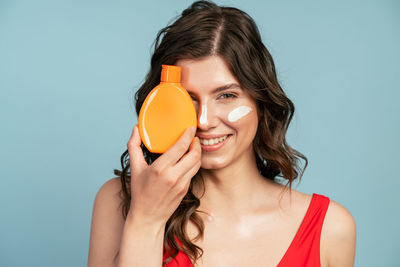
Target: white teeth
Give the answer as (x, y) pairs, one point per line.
(214, 141)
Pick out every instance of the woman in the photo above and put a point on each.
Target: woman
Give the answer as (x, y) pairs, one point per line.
(214, 198)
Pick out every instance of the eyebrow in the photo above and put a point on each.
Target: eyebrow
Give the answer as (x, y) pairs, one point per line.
(224, 87)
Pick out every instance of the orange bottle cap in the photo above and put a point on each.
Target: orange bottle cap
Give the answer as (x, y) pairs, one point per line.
(171, 73)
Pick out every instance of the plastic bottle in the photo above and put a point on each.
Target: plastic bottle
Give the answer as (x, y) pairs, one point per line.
(166, 112)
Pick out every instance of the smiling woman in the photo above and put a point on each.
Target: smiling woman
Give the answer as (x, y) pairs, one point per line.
(213, 199)
(230, 118)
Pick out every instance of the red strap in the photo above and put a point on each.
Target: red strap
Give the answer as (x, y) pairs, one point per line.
(305, 247)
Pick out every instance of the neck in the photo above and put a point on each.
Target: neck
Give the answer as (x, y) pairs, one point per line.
(234, 189)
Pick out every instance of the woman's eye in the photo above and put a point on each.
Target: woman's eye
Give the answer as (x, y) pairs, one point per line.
(228, 95)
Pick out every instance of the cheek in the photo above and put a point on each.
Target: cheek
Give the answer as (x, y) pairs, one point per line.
(238, 113)
(244, 119)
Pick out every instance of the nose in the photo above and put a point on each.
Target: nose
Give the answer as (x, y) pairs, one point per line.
(206, 118)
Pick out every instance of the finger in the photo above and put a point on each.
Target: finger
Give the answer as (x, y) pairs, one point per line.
(135, 151)
(190, 160)
(183, 184)
(191, 173)
(175, 152)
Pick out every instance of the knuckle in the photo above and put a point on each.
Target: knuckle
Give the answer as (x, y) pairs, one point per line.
(182, 189)
(196, 154)
(130, 143)
(169, 181)
(157, 172)
(182, 147)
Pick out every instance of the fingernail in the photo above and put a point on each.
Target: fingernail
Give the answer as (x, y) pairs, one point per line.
(192, 129)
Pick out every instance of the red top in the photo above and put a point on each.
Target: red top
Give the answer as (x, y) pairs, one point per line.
(305, 247)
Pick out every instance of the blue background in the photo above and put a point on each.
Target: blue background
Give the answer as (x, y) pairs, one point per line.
(68, 73)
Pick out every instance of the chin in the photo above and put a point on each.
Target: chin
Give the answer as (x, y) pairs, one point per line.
(213, 164)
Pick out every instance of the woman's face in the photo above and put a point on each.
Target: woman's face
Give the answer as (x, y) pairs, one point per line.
(230, 113)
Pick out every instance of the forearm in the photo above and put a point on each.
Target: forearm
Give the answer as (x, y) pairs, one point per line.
(141, 244)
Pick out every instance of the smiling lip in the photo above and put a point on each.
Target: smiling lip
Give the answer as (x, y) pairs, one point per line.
(216, 146)
(210, 136)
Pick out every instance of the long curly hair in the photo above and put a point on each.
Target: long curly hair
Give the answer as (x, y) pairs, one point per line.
(206, 29)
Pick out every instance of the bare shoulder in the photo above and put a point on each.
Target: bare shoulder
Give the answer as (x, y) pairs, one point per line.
(298, 202)
(108, 198)
(107, 224)
(109, 190)
(338, 236)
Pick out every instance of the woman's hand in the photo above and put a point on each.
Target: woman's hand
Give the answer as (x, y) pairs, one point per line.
(157, 190)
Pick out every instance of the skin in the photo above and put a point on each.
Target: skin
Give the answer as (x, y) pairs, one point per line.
(250, 220)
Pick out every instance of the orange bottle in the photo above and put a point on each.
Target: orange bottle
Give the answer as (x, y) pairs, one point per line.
(166, 112)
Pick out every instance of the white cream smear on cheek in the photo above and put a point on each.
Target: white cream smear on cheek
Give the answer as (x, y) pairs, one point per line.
(203, 118)
(238, 113)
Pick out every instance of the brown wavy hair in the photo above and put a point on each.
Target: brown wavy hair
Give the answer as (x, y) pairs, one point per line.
(206, 29)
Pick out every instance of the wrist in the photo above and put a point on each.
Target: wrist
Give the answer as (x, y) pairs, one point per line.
(145, 225)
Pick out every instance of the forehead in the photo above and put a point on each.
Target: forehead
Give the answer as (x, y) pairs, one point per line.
(206, 74)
